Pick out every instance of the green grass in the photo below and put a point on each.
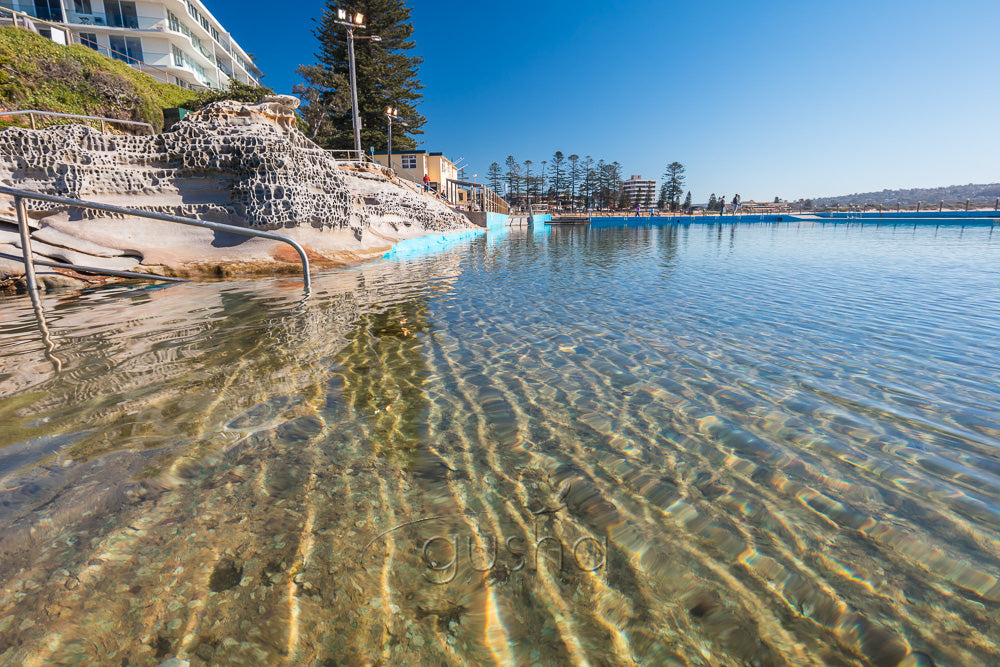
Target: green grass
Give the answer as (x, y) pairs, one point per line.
(37, 73)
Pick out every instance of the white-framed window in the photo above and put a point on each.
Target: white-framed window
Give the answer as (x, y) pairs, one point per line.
(408, 161)
(89, 39)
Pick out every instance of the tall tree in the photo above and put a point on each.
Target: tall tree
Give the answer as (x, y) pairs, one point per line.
(529, 181)
(513, 178)
(687, 201)
(589, 181)
(542, 178)
(494, 175)
(574, 177)
(558, 174)
(713, 202)
(386, 74)
(673, 179)
(324, 93)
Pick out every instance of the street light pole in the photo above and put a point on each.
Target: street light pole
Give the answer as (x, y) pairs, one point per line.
(355, 119)
(352, 22)
(392, 113)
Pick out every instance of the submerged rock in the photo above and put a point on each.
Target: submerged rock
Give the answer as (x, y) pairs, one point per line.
(235, 163)
(227, 574)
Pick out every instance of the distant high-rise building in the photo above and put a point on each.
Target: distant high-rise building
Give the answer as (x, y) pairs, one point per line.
(640, 192)
(177, 41)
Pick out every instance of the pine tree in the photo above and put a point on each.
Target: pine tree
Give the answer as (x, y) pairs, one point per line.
(495, 175)
(529, 181)
(589, 182)
(386, 75)
(574, 177)
(558, 174)
(687, 201)
(673, 181)
(713, 202)
(513, 178)
(323, 94)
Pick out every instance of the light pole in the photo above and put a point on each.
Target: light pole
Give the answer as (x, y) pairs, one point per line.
(352, 22)
(392, 114)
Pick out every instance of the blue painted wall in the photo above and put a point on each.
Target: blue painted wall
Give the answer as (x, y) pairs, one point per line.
(911, 214)
(494, 220)
(426, 245)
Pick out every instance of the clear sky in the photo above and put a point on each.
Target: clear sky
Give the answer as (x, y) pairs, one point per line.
(769, 98)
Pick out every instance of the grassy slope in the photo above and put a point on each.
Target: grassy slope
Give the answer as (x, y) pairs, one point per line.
(37, 73)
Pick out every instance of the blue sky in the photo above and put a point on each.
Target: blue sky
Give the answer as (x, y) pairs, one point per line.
(768, 98)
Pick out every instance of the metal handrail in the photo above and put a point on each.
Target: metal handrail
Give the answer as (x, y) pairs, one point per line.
(31, 114)
(22, 222)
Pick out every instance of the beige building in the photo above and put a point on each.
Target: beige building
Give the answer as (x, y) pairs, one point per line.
(413, 165)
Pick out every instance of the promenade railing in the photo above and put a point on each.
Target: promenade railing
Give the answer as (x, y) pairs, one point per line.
(32, 113)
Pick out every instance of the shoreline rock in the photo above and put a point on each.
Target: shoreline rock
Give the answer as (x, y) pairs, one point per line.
(239, 164)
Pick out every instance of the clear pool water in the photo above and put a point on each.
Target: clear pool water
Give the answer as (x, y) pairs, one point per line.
(752, 444)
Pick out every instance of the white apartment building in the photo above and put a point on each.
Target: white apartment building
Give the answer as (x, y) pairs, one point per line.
(640, 192)
(177, 41)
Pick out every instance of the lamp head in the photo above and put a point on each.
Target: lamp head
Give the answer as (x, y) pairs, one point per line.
(342, 14)
(359, 19)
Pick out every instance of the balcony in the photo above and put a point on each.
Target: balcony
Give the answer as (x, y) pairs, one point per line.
(116, 21)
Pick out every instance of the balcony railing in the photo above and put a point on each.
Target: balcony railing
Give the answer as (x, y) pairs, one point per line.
(116, 21)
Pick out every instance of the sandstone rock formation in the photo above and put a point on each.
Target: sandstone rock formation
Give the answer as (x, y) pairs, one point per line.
(231, 162)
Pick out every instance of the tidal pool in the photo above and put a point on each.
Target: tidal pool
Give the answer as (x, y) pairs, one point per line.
(739, 444)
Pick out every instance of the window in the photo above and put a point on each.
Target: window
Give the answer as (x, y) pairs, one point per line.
(89, 39)
(48, 10)
(126, 49)
(191, 9)
(204, 24)
(82, 7)
(409, 161)
(173, 21)
(215, 34)
(121, 14)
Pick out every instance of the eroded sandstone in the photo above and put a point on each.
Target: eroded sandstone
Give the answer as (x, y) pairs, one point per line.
(234, 163)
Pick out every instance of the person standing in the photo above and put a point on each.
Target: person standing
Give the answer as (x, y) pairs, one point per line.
(427, 183)
(736, 203)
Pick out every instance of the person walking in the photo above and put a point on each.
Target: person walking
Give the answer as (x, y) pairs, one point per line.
(427, 183)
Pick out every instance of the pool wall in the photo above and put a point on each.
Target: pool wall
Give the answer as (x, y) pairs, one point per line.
(426, 245)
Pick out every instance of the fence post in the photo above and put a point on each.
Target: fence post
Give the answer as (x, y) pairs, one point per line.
(103, 127)
(31, 116)
(22, 224)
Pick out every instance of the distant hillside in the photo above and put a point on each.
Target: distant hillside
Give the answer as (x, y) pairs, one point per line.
(952, 195)
(37, 73)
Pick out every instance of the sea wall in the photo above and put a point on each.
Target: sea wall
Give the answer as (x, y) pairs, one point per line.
(239, 164)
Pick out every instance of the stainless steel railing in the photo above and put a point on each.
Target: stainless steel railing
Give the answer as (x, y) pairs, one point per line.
(22, 222)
